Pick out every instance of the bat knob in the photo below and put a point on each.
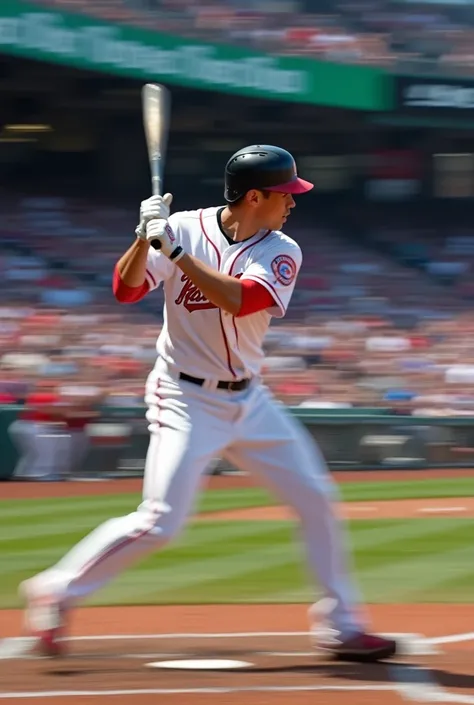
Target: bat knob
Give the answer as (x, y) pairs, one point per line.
(156, 244)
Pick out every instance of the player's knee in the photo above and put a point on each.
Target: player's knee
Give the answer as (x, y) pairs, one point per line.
(161, 520)
(315, 499)
(326, 487)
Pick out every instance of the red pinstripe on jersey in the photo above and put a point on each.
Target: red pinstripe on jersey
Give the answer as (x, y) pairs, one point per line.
(224, 335)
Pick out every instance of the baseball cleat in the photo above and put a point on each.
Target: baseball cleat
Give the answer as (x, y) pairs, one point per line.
(362, 648)
(44, 621)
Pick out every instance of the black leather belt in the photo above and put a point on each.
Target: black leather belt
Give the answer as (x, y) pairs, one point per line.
(238, 386)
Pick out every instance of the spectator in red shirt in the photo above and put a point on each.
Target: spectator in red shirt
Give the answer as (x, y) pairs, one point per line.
(40, 435)
(80, 411)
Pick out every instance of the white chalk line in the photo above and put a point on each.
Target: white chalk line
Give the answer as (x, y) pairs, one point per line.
(440, 510)
(195, 635)
(419, 510)
(458, 698)
(179, 635)
(16, 647)
(418, 685)
(21, 647)
(452, 639)
(251, 652)
(415, 684)
(199, 691)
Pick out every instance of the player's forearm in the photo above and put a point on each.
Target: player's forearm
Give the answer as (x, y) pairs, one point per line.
(132, 265)
(221, 289)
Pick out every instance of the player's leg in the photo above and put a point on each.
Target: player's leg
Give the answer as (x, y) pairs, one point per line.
(76, 449)
(40, 441)
(21, 433)
(184, 438)
(38, 444)
(275, 446)
(50, 447)
(79, 448)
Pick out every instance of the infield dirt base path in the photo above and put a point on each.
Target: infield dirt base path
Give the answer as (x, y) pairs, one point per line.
(391, 509)
(282, 669)
(35, 490)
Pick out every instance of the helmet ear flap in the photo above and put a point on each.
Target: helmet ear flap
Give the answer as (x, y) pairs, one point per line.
(231, 195)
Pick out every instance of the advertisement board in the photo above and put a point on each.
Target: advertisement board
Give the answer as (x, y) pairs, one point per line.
(446, 96)
(85, 42)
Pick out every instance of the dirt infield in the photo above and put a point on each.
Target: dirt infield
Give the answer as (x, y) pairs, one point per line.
(34, 490)
(282, 667)
(393, 509)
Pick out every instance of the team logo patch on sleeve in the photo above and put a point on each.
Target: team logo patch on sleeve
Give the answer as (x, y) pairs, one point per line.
(284, 269)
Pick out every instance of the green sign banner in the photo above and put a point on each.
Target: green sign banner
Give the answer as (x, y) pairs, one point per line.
(85, 42)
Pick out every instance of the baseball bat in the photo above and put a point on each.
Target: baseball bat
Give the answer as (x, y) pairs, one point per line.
(156, 105)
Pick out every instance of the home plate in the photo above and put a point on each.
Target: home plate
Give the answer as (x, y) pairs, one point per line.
(200, 664)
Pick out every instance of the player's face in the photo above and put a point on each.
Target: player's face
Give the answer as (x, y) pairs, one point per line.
(274, 209)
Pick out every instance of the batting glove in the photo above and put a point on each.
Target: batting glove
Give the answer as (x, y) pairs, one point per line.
(156, 207)
(161, 236)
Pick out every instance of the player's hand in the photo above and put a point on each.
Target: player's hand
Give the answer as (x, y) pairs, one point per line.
(156, 207)
(161, 234)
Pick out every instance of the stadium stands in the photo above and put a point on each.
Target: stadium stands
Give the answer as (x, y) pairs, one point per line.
(363, 329)
(373, 32)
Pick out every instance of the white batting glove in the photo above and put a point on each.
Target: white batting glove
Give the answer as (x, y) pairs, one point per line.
(161, 236)
(156, 207)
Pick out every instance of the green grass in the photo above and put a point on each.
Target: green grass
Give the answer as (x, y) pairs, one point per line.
(426, 559)
(397, 561)
(409, 489)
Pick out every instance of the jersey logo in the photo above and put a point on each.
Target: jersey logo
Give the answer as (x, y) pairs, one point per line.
(170, 233)
(284, 269)
(191, 297)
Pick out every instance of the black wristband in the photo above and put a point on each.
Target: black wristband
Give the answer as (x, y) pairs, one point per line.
(176, 253)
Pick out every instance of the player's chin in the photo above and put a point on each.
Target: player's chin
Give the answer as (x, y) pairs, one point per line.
(277, 224)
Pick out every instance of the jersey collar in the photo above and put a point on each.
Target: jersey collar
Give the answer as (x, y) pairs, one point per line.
(229, 239)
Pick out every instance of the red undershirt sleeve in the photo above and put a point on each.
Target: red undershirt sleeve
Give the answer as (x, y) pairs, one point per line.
(255, 298)
(128, 294)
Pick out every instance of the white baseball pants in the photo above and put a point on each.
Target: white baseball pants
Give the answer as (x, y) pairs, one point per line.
(189, 426)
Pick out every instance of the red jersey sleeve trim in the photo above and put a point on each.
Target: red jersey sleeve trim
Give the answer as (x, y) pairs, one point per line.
(255, 298)
(153, 280)
(271, 290)
(128, 294)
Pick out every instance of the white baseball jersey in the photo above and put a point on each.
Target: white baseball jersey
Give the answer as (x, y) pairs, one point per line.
(198, 337)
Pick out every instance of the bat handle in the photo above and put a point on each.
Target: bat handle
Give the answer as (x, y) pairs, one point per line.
(156, 189)
(156, 186)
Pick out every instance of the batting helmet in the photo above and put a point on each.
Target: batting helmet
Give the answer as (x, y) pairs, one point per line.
(263, 167)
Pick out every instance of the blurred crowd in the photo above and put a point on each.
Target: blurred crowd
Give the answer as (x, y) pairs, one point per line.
(373, 32)
(379, 321)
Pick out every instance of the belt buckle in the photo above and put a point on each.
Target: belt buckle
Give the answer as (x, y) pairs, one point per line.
(233, 387)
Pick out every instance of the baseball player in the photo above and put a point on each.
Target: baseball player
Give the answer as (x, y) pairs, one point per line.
(226, 272)
(40, 434)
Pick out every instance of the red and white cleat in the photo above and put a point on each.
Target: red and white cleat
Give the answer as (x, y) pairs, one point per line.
(44, 621)
(362, 648)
